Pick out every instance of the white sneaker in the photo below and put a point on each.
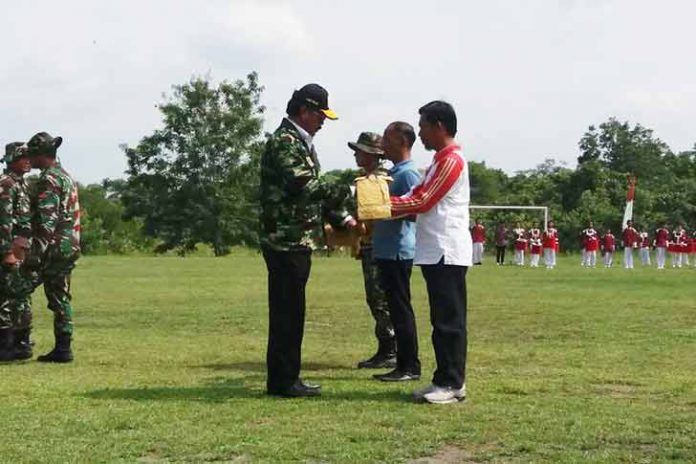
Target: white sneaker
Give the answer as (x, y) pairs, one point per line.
(441, 395)
(418, 395)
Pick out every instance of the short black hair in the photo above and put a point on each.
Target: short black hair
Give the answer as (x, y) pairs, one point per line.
(440, 112)
(406, 130)
(294, 107)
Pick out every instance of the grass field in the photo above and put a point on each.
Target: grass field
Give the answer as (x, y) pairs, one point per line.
(570, 365)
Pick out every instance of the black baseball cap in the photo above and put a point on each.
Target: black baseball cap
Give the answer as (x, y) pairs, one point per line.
(315, 96)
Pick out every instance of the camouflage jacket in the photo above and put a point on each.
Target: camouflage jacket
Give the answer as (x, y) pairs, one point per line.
(56, 220)
(15, 212)
(295, 199)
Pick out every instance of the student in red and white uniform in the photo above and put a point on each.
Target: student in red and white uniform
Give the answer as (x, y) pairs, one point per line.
(678, 245)
(608, 247)
(478, 238)
(520, 247)
(661, 241)
(629, 241)
(644, 251)
(550, 242)
(590, 239)
(684, 246)
(693, 247)
(518, 230)
(535, 246)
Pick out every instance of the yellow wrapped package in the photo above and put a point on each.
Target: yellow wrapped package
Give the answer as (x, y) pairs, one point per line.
(349, 238)
(372, 195)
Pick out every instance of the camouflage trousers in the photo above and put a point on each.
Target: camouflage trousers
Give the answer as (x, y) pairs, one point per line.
(16, 287)
(375, 296)
(55, 277)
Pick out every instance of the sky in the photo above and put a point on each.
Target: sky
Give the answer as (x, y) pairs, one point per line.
(526, 78)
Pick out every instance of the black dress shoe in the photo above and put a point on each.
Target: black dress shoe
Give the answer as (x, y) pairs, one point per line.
(397, 376)
(297, 390)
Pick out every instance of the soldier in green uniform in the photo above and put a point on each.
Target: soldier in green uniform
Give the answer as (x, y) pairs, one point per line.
(368, 156)
(293, 196)
(15, 239)
(56, 239)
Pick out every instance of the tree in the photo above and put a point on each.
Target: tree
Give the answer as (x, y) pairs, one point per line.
(620, 147)
(196, 179)
(103, 229)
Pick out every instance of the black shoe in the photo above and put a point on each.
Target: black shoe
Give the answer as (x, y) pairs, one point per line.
(297, 390)
(6, 345)
(62, 353)
(385, 358)
(397, 376)
(23, 345)
(378, 361)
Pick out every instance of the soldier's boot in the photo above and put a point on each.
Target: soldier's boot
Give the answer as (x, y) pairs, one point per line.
(23, 344)
(62, 353)
(6, 344)
(385, 358)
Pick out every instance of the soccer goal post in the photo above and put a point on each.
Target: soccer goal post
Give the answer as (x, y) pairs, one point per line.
(545, 209)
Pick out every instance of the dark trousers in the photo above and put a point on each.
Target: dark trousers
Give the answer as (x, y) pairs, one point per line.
(288, 272)
(500, 254)
(447, 297)
(395, 276)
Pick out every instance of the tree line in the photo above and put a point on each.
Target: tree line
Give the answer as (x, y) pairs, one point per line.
(195, 180)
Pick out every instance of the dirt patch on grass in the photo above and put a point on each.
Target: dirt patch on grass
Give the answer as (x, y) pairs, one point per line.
(448, 455)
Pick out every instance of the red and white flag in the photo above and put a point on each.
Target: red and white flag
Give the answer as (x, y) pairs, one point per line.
(628, 212)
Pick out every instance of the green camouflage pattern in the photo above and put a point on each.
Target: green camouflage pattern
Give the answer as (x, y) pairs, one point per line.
(13, 151)
(56, 216)
(295, 199)
(15, 213)
(368, 142)
(56, 244)
(43, 144)
(56, 281)
(375, 296)
(16, 286)
(15, 229)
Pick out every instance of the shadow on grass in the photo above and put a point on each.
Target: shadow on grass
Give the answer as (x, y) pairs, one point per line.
(254, 366)
(232, 389)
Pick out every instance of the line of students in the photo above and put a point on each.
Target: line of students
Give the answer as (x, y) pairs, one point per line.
(536, 242)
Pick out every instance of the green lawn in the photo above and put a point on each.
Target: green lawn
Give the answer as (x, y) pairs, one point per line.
(570, 365)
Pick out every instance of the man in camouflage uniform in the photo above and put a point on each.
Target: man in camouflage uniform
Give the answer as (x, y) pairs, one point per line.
(15, 238)
(56, 243)
(292, 199)
(368, 156)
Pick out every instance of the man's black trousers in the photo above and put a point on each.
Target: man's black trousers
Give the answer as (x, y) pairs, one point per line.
(447, 297)
(395, 276)
(288, 272)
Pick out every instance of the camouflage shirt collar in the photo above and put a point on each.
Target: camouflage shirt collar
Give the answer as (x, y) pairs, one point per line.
(308, 139)
(15, 176)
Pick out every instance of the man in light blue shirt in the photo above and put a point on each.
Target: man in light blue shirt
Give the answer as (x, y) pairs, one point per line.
(393, 248)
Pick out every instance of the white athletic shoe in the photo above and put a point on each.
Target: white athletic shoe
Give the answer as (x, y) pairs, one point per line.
(440, 395)
(418, 395)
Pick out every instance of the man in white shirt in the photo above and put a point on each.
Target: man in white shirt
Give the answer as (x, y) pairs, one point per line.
(443, 248)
